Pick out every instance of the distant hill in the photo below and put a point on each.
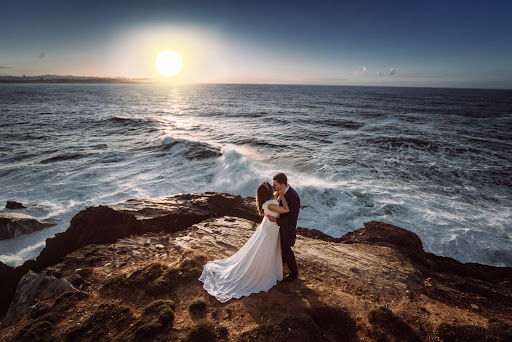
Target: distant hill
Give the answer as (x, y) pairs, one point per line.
(70, 79)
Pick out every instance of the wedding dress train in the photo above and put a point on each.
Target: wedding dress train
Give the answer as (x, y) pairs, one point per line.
(256, 267)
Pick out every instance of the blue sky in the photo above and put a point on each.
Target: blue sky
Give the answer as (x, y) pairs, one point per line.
(403, 43)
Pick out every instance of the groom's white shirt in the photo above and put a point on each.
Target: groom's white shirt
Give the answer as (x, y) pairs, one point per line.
(287, 187)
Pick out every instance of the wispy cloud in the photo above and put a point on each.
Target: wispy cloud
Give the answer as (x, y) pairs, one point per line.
(364, 69)
(392, 71)
(417, 75)
(5, 67)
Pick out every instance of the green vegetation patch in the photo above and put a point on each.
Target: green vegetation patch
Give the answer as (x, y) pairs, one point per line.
(388, 327)
(155, 279)
(39, 331)
(496, 331)
(197, 306)
(67, 301)
(114, 285)
(500, 330)
(96, 327)
(156, 319)
(293, 328)
(206, 331)
(142, 276)
(44, 317)
(38, 310)
(155, 308)
(190, 270)
(164, 284)
(319, 323)
(335, 322)
(167, 282)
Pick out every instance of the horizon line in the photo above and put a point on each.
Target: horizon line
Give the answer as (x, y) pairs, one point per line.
(70, 79)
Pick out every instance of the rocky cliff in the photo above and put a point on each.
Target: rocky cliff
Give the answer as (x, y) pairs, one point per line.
(136, 266)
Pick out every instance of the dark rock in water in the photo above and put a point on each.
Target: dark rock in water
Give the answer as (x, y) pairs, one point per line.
(14, 205)
(34, 287)
(12, 225)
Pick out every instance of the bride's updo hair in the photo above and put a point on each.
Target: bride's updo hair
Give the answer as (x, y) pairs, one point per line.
(263, 194)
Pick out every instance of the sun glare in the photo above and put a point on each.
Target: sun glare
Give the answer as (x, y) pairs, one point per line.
(169, 63)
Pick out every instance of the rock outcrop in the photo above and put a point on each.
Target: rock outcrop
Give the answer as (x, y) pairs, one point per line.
(127, 255)
(106, 224)
(14, 205)
(14, 224)
(35, 287)
(373, 284)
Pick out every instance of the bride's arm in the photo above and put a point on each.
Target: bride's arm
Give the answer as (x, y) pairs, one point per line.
(278, 209)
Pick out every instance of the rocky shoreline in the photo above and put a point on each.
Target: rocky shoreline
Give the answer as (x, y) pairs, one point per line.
(379, 273)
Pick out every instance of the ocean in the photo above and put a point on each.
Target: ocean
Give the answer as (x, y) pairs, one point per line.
(437, 162)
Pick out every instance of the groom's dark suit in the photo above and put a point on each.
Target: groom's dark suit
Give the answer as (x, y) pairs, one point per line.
(287, 229)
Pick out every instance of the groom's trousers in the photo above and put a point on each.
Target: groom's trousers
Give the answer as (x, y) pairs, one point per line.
(289, 258)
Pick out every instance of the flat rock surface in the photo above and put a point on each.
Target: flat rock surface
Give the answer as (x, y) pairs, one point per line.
(358, 277)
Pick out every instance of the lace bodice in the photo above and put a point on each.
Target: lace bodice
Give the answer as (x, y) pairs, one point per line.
(267, 211)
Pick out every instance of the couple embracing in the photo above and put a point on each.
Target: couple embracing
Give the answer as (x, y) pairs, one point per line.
(258, 265)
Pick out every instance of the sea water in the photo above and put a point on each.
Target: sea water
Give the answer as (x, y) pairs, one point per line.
(434, 161)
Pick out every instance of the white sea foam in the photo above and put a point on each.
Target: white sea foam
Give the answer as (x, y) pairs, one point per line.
(434, 168)
(17, 259)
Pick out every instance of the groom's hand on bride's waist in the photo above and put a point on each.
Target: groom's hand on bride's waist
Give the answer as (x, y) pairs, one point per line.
(271, 218)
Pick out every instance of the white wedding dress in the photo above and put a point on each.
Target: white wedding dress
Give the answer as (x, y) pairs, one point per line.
(256, 267)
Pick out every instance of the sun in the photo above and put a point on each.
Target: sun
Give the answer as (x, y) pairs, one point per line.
(169, 63)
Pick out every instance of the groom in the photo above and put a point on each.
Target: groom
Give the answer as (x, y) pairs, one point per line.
(287, 223)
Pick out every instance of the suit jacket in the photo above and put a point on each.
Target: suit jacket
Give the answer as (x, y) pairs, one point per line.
(288, 222)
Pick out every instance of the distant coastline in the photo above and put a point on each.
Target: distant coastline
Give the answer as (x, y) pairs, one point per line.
(71, 79)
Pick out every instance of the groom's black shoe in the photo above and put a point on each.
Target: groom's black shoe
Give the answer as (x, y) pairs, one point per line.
(290, 277)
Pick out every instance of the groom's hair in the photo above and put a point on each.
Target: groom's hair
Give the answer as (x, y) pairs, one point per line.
(281, 178)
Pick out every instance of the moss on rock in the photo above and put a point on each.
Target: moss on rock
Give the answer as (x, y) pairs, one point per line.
(387, 326)
(292, 328)
(202, 331)
(44, 317)
(496, 331)
(334, 321)
(98, 325)
(197, 306)
(157, 318)
(39, 331)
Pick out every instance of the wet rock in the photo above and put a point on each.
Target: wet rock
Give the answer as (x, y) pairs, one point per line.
(13, 224)
(31, 288)
(14, 205)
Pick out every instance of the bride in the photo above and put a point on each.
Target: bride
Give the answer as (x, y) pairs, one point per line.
(258, 265)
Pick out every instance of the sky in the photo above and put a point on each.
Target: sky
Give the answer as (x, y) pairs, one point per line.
(433, 43)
